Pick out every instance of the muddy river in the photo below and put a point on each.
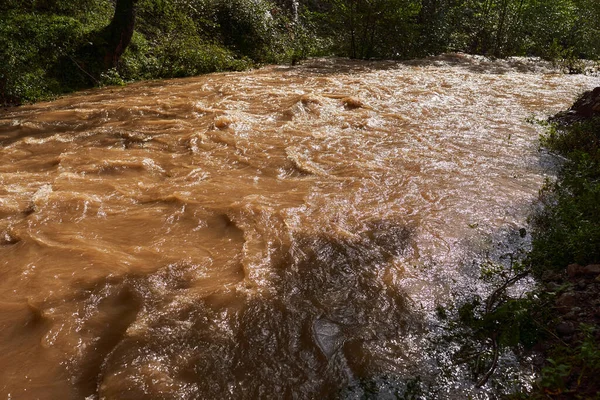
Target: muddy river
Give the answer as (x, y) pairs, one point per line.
(278, 233)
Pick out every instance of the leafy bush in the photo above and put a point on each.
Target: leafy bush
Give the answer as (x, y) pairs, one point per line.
(54, 46)
(30, 47)
(574, 369)
(568, 228)
(168, 43)
(183, 38)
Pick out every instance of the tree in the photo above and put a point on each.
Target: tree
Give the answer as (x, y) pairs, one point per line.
(119, 32)
(374, 28)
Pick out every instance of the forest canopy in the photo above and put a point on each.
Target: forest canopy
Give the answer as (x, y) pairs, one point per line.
(48, 47)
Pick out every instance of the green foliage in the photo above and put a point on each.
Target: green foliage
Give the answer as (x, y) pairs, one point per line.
(79, 9)
(54, 46)
(567, 230)
(573, 369)
(170, 43)
(555, 29)
(30, 47)
(512, 322)
(587, 29)
(248, 27)
(111, 77)
(568, 227)
(176, 38)
(489, 27)
(372, 28)
(483, 329)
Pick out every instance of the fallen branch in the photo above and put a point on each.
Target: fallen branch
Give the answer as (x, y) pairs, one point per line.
(492, 368)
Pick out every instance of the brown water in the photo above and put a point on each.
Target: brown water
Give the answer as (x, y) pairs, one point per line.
(254, 235)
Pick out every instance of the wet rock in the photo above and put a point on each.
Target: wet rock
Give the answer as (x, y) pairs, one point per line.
(565, 329)
(553, 287)
(581, 285)
(223, 122)
(568, 338)
(570, 316)
(308, 99)
(574, 314)
(8, 239)
(328, 336)
(353, 103)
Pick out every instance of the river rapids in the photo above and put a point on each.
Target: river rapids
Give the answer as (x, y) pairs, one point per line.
(279, 233)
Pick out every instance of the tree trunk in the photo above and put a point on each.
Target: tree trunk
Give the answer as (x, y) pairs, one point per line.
(119, 32)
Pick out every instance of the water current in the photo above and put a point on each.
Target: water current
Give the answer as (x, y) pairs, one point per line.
(263, 234)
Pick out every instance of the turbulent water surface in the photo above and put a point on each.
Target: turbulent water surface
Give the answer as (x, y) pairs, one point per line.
(259, 234)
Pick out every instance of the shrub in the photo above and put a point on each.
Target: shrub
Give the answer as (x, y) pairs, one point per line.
(568, 229)
(30, 47)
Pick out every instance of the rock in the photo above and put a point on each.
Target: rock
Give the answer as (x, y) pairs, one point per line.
(573, 314)
(352, 103)
(566, 302)
(588, 104)
(328, 336)
(574, 270)
(565, 329)
(522, 232)
(581, 285)
(570, 316)
(223, 122)
(551, 276)
(592, 269)
(568, 338)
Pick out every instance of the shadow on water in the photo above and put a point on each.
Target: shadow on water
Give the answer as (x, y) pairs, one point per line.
(334, 325)
(326, 323)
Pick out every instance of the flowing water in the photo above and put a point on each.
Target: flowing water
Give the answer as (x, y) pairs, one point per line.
(263, 234)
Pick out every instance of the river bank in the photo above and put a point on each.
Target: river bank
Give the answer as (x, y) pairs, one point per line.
(566, 253)
(553, 326)
(53, 47)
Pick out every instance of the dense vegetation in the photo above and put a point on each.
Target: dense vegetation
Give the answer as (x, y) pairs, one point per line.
(568, 234)
(48, 47)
